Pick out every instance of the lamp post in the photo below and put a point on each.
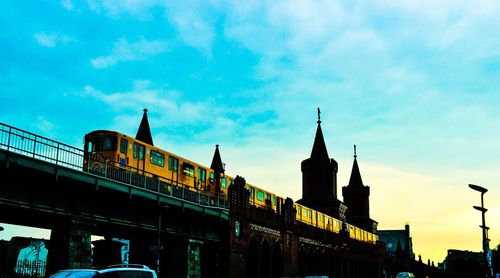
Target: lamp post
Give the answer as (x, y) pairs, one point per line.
(486, 247)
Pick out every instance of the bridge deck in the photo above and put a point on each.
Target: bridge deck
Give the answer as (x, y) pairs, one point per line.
(43, 154)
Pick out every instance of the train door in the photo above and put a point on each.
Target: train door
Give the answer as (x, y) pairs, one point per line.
(202, 178)
(173, 167)
(139, 154)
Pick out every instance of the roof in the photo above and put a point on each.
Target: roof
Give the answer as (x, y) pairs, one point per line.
(217, 164)
(144, 132)
(319, 146)
(355, 179)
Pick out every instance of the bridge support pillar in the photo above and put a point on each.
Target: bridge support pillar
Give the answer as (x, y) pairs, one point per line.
(69, 248)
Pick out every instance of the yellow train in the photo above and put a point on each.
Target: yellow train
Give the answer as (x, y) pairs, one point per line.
(105, 149)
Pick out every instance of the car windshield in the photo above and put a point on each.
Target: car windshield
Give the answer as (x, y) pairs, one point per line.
(75, 274)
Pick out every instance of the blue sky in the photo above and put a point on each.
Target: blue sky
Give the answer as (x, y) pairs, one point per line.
(415, 84)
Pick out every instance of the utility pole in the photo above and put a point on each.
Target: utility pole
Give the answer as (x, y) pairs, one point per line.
(486, 245)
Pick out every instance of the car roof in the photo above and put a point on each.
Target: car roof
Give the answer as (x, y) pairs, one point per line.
(111, 268)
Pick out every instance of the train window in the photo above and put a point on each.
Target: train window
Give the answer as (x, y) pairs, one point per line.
(252, 196)
(188, 169)
(202, 175)
(157, 158)
(260, 195)
(173, 163)
(108, 143)
(139, 151)
(274, 200)
(123, 146)
(99, 144)
(223, 183)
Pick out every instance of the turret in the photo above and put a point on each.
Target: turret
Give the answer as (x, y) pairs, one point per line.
(356, 197)
(319, 178)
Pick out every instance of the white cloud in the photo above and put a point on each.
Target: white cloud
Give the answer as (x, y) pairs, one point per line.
(168, 104)
(52, 39)
(67, 4)
(193, 19)
(126, 52)
(44, 125)
(115, 8)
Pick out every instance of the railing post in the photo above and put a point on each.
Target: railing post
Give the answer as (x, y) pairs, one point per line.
(34, 147)
(8, 138)
(106, 168)
(57, 154)
(130, 179)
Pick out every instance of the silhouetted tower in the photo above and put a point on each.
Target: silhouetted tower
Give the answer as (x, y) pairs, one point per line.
(144, 132)
(319, 179)
(356, 198)
(218, 168)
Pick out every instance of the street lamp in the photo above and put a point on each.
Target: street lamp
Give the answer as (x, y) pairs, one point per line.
(487, 268)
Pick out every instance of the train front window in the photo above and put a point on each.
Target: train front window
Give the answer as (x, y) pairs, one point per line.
(102, 144)
(108, 143)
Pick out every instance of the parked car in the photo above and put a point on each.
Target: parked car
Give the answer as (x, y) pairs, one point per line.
(112, 271)
(405, 275)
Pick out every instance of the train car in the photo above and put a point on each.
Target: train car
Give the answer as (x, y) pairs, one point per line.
(262, 198)
(104, 149)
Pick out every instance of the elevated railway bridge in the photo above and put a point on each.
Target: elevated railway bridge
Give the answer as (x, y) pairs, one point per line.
(178, 231)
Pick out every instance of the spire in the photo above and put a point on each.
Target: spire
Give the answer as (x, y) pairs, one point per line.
(217, 164)
(319, 146)
(144, 132)
(355, 179)
(218, 168)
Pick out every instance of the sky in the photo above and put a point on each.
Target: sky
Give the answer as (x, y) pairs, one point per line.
(414, 84)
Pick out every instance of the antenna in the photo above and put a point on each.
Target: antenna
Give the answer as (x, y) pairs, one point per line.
(355, 151)
(319, 116)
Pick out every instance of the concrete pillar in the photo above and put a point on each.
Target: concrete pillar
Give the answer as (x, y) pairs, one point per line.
(69, 248)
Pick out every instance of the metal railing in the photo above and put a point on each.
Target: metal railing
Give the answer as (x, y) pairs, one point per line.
(29, 144)
(26, 143)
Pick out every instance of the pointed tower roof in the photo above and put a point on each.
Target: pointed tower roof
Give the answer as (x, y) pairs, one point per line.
(319, 146)
(217, 164)
(144, 132)
(355, 179)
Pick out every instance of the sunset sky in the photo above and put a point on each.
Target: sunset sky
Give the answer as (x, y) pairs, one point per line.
(414, 84)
